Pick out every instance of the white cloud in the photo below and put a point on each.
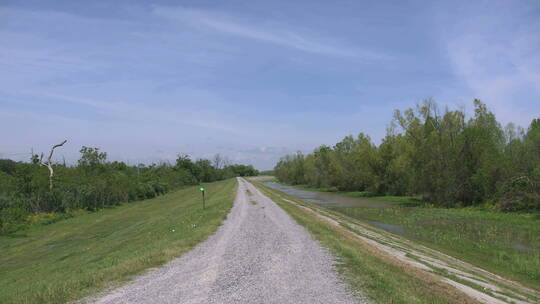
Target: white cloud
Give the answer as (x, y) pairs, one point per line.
(498, 60)
(278, 36)
(149, 113)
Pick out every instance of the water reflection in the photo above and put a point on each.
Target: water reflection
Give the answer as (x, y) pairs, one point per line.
(328, 199)
(522, 247)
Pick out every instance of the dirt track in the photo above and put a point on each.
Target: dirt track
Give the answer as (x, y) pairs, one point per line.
(259, 255)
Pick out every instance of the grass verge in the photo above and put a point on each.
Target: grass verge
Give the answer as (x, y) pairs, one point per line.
(380, 277)
(405, 200)
(80, 256)
(505, 244)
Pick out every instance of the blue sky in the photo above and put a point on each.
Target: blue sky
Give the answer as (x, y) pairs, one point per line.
(251, 80)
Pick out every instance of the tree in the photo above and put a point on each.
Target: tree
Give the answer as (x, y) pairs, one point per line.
(217, 161)
(91, 157)
(440, 155)
(183, 162)
(48, 163)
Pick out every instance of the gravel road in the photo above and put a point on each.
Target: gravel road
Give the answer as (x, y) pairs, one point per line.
(258, 255)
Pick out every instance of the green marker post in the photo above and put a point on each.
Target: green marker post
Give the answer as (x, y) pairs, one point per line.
(202, 191)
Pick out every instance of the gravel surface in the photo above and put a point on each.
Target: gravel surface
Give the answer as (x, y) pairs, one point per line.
(258, 255)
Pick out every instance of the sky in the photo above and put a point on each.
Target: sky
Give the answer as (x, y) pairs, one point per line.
(251, 80)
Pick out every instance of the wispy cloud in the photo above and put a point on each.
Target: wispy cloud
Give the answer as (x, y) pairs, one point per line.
(141, 77)
(499, 61)
(285, 37)
(146, 113)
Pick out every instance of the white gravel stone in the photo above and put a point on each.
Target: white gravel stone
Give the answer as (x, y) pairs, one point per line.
(259, 255)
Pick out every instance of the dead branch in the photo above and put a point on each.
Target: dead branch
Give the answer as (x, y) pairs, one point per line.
(48, 163)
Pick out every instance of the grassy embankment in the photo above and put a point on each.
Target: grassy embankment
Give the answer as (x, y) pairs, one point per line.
(76, 257)
(507, 244)
(379, 277)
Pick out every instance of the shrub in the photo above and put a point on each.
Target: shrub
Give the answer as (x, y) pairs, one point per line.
(12, 213)
(93, 184)
(520, 193)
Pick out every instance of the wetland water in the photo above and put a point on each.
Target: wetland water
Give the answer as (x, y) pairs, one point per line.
(329, 200)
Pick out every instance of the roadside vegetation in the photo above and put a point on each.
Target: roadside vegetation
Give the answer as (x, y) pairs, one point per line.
(467, 187)
(27, 198)
(443, 157)
(507, 244)
(370, 274)
(408, 200)
(79, 256)
(267, 173)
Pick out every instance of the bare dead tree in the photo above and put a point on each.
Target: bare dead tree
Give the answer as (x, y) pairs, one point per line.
(218, 161)
(48, 163)
(226, 162)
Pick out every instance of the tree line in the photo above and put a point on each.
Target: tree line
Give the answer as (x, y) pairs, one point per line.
(95, 183)
(442, 156)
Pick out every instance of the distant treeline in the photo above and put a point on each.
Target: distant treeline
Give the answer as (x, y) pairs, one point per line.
(266, 172)
(444, 157)
(95, 183)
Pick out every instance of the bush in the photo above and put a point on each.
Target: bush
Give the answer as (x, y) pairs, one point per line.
(93, 184)
(12, 213)
(145, 190)
(520, 193)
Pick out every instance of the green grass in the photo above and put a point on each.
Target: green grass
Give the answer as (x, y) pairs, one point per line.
(484, 238)
(481, 237)
(79, 256)
(378, 279)
(407, 200)
(313, 188)
(264, 178)
(404, 200)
